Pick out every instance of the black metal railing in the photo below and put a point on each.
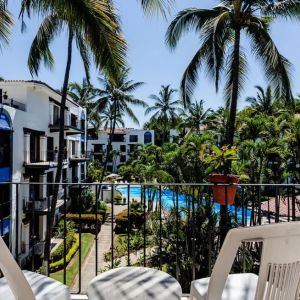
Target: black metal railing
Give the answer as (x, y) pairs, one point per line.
(15, 104)
(177, 228)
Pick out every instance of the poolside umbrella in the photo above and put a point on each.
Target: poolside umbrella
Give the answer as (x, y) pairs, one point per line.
(112, 176)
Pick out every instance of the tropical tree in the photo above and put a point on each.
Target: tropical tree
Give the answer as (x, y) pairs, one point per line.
(116, 93)
(165, 110)
(95, 29)
(221, 52)
(6, 22)
(195, 116)
(264, 102)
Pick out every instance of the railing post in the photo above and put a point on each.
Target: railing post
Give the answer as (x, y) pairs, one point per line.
(112, 226)
(65, 232)
(129, 226)
(17, 222)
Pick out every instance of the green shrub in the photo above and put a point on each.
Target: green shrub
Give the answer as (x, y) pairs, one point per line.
(58, 253)
(88, 221)
(118, 198)
(102, 205)
(57, 265)
(83, 203)
(60, 230)
(136, 220)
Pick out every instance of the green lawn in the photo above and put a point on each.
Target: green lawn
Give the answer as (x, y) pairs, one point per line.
(87, 240)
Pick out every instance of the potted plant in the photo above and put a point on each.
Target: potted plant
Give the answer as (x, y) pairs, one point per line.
(219, 170)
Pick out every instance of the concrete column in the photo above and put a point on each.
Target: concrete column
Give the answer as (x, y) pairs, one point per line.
(27, 148)
(67, 118)
(43, 148)
(69, 147)
(42, 227)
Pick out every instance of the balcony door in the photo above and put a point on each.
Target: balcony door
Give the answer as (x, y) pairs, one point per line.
(34, 147)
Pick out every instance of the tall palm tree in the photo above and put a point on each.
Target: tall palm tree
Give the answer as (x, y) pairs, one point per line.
(85, 94)
(264, 102)
(106, 118)
(221, 53)
(93, 25)
(6, 22)
(196, 116)
(164, 109)
(116, 94)
(153, 6)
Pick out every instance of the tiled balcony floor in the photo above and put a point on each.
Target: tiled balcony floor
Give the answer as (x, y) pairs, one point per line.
(84, 297)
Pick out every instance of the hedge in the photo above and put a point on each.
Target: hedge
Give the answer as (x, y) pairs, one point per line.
(57, 265)
(58, 253)
(88, 221)
(136, 220)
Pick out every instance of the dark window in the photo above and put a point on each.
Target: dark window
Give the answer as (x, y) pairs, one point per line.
(82, 148)
(64, 175)
(123, 148)
(55, 115)
(147, 137)
(73, 120)
(49, 185)
(82, 122)
(98, 148)
(133, 138)
(50, 149)
(5, 150)
(98, 157)
(82, 171)
(118, 138)
(123, 158)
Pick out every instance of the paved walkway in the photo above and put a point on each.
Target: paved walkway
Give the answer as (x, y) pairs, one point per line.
(104, 245)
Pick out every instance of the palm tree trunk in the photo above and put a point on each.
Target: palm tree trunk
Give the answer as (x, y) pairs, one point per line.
(224, 216)
(51, 215)
(235, 74)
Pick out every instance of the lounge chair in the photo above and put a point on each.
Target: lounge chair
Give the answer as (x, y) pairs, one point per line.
(279, 273)
(26, 285)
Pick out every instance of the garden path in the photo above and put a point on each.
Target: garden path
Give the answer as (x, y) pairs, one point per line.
(104, 245)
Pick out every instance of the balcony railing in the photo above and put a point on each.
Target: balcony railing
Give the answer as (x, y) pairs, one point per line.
(43, 157)
(15, 104)
(178, 228)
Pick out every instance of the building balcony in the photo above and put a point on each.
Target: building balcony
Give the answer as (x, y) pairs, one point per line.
(15, 104)
(178, 227)
(42, 159)
(77, 158)
(70, 128)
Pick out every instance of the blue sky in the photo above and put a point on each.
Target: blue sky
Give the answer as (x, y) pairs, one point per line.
(149, 58)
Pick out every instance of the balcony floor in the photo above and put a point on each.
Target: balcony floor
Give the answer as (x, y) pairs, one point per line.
(84, 297)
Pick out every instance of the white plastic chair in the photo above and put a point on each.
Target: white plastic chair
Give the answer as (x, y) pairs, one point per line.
(26, 285)
(279, 273)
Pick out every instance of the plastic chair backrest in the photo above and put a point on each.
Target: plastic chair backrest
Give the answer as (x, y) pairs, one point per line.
(13, 274)
(279, 273)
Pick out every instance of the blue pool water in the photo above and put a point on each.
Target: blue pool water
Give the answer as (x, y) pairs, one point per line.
(169, 199)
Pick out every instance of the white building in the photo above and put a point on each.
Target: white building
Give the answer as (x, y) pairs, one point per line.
(29, 123)
(125, 141)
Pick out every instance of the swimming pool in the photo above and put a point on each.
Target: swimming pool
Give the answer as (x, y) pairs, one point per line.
(168, 198)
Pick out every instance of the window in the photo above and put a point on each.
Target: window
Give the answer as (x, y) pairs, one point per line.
(133, 138)
(73, 121)
(55, 115)
(82, 172)
(123, 158)
(123, 148)
(147, 137)
(98, 148)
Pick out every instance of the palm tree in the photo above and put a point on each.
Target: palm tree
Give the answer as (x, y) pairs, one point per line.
(84, 94)
(263, 102)
(195, 116)
(221, 53)
(165, 110)
(5, 24)
(161, 6)
(116, 93)
(95, 29)
(106, 118)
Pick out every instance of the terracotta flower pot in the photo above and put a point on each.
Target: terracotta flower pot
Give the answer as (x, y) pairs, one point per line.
(219, 191)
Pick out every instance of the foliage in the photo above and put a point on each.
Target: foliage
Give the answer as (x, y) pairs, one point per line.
(56, 265)
(118, 198)
(84, 202)
(88, 222)
(60, 229)
(58, 253)
(220, 160)
(94, 171)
